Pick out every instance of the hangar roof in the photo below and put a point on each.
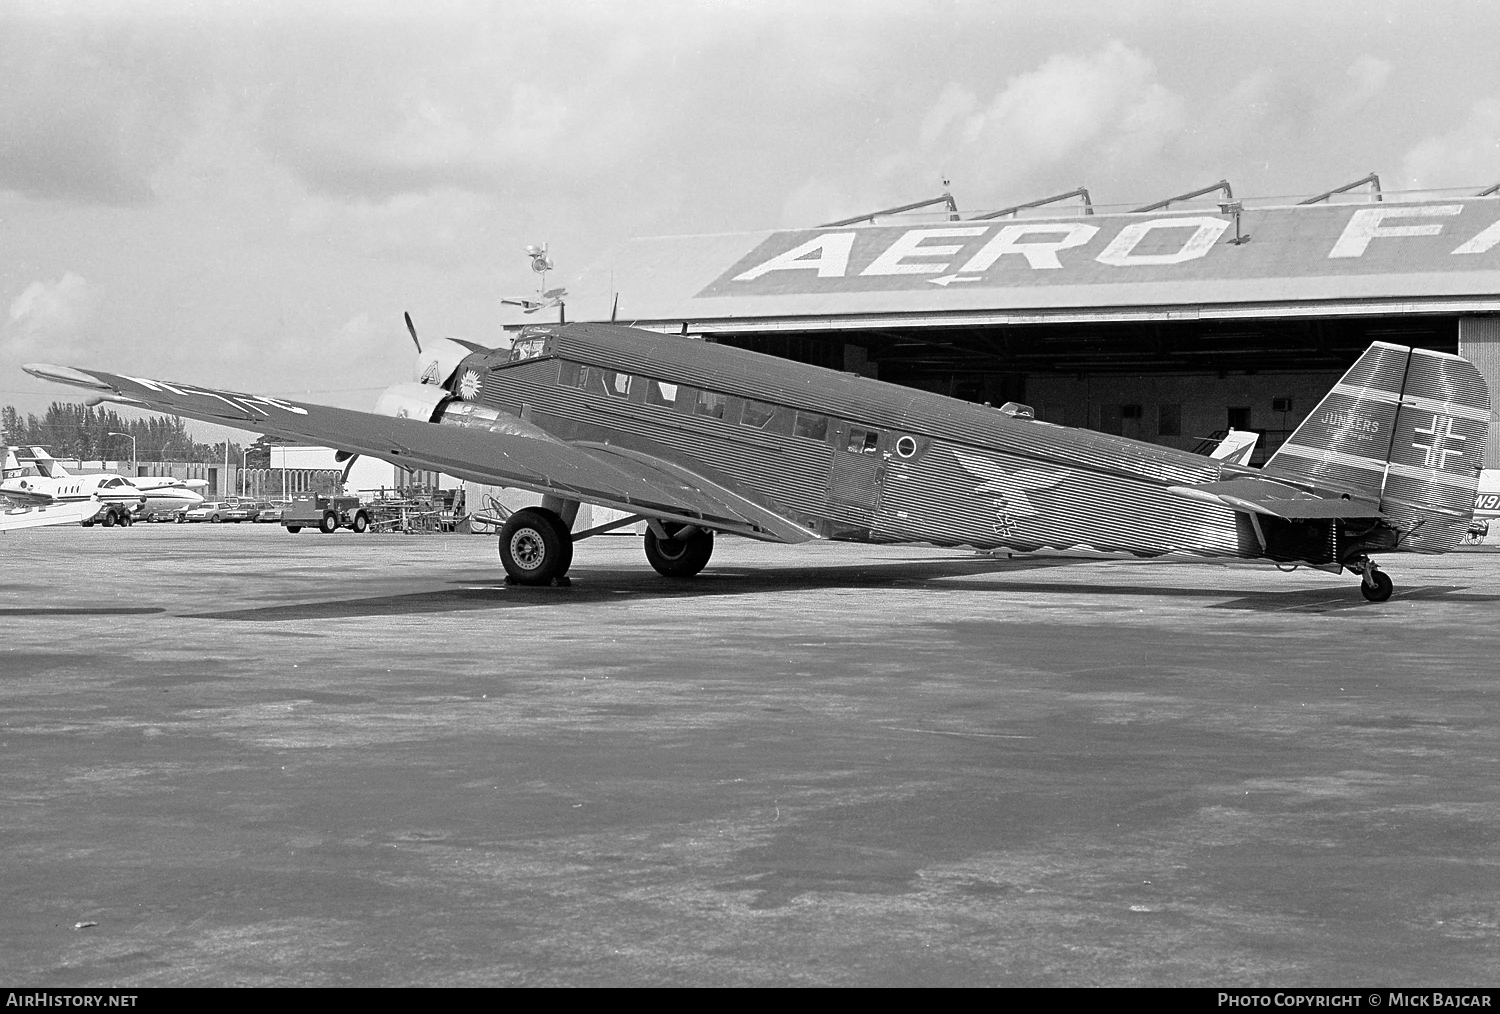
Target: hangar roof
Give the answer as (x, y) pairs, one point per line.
(1381, 258)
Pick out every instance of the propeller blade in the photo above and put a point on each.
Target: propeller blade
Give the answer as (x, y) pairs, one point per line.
(413, 329)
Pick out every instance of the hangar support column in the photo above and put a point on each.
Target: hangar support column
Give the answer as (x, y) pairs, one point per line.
(1479, 343)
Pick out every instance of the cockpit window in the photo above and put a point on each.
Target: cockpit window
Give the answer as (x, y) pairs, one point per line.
(527, 348)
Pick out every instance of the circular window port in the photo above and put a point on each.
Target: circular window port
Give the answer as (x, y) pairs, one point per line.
(906, 447)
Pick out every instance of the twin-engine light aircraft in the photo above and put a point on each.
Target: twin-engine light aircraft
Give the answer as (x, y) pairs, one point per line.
(698, 438)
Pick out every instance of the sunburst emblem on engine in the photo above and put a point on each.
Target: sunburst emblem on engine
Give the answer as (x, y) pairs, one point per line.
(468, 385)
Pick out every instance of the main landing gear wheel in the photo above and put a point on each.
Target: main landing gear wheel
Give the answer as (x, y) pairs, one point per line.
(679, 557)
(535, 547)
(329, 524)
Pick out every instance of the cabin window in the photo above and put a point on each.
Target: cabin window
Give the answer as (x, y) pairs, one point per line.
(862, 441)
(710, 404)
(811, 426)
(617, 384)
(906, 447)
(570, 374)
(527, 348)
(659, 392)
(756, 414)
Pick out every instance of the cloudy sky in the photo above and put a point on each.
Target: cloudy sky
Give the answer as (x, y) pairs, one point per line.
(248, 194)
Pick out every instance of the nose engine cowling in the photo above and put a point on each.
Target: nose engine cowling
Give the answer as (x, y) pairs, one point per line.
(439, 360)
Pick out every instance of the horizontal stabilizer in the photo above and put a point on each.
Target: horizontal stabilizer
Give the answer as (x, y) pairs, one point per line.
(1277, 499)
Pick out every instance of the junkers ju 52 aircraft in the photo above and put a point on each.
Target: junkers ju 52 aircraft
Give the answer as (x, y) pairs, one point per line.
(699, 438)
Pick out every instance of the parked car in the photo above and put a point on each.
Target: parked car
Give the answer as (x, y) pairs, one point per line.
(219, 512)
(271, 511)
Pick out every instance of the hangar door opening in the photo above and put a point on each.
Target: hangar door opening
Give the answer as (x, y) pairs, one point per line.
(1179, 383)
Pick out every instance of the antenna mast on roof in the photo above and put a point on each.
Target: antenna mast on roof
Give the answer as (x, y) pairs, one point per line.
(1371, 179)
(1088, 205)
(1221, 185)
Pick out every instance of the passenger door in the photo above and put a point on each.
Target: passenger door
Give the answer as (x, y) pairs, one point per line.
(857, 474)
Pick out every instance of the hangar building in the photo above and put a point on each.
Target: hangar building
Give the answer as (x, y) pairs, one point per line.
(1168, 323)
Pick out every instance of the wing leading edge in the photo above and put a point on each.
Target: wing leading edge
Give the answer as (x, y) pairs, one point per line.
(514, 458)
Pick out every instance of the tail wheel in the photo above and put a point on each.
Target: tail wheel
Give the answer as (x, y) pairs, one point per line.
(1378, 587)
(534, 546)
(679, 557)
(329, 524)
(361, 522)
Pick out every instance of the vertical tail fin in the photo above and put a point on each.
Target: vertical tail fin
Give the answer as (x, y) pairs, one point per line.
(1407, 427)
(47, 465)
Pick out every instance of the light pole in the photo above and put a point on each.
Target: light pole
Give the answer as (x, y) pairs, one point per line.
(134, 462)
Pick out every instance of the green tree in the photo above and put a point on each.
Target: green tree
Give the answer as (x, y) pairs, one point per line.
(70, 430)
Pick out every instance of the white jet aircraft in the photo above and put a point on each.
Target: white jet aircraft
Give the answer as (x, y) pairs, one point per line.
(46, 486)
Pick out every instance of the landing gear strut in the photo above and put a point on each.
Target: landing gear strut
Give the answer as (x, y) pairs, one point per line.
(536, 547)
(1375, 585)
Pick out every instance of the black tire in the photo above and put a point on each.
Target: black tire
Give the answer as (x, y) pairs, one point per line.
(216, 520)
(361, 522)
(182, 518)
(679, 557)
(329, 524)
(1382, 590)
(534, 548)
(89, 523)
(109, 519)
(294, 529)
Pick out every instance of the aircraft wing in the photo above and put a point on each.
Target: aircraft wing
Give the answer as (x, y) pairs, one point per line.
(28, 498)
(523, 456)
(1277, 499)
(68, 513)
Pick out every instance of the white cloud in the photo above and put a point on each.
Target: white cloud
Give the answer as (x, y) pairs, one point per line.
(58, 306)
(1106, 108)
(1468, 155)
(1072, 101)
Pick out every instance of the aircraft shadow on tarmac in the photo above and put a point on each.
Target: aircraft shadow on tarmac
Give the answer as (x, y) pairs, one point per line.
(79, 610)
(944, 574)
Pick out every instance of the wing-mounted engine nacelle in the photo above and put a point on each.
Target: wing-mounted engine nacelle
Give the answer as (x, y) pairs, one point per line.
(413, 401)
(439, 360)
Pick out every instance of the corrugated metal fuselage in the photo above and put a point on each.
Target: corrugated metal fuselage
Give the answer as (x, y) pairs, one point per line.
(852, 458)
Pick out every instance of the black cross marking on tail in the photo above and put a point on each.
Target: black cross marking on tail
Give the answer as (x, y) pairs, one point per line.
(1439, 447)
